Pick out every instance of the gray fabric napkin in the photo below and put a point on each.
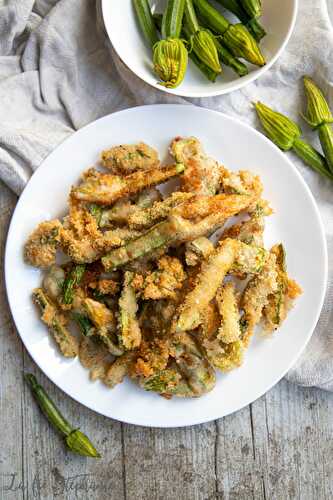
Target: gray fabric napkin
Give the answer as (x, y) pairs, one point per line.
(58, 72)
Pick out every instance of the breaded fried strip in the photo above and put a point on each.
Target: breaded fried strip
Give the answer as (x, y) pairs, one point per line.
(41, 246)
(249, 259)
(83, 241)
(201, 206)
(242, 182)
(193, 365)
(105, 189)
(163, 282)
(153, 356)
(209, 279)
(141, 218)
(147, 197)
(105, 323)
(123, 208)
(157, 237)
(198, 250)
(93, 355)
(202, 174)
(251, 231)
(128, 158)
(118, 370)
(175, 230)
(255, 296)
(280, 302)
(229, 330)
(129, 330)
(224, 357)
(56, 323)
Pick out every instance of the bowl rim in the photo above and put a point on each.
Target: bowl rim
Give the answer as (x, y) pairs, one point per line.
(236, 85)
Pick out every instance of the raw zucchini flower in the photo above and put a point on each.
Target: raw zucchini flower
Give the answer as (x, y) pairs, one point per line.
(204, 46)
(170, 61)
(242, 44)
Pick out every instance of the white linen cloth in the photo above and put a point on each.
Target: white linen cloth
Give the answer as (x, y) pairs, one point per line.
(58, 73)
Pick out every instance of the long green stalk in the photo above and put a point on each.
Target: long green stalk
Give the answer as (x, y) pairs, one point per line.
(202, 41)
(286, 134)
(75, 440)
(229, 60)
(235, 36)
(250, 22)
(170, 55)
(320, 118)
(311, 157)
(74, 278)
(146, 22)
(205, 70)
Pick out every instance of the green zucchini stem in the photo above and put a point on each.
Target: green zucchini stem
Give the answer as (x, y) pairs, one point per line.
(75, 440)
(311, 157)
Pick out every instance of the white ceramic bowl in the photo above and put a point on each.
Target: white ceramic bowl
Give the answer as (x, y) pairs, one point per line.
(278, 19)
(296, 222)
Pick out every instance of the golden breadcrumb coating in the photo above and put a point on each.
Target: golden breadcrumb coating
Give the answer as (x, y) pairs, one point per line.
(202, 173)
(162, 283)
(41, 246)
(149, 282)
(128, 158)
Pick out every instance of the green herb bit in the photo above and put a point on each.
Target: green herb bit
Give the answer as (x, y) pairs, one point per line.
(73, 279)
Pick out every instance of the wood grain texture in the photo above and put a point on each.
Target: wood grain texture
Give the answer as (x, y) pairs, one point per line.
(279, 448)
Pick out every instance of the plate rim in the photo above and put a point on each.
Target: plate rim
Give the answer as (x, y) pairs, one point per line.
(237, 83)
(237, 121)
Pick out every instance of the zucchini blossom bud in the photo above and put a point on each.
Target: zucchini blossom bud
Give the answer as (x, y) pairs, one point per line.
(317, 112)
(319, 116)
(279, 128)
(252, 7)
(242, 44)
(286, 134)
(204, 46)
(170, 61)
(81, 444)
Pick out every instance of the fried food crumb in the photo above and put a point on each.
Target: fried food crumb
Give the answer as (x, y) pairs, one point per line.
(162, 283)
(128, 158)
(41, 247)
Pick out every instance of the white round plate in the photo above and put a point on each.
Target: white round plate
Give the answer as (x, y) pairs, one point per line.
(296, 223)
(119, 18)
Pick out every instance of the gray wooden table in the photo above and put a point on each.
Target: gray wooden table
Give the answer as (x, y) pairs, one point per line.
(280, 447)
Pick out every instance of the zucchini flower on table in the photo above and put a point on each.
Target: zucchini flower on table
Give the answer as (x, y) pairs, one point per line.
(75, 440)
(286, 134)
(319, 117)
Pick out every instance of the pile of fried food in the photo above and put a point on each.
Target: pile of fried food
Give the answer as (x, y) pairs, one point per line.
(143, 291)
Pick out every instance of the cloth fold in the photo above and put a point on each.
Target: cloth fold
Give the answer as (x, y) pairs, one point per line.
(58, 72)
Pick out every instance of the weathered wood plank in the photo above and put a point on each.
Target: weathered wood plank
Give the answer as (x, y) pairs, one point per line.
(293, 442)
(62, 474)
(169, 464)
(238, 473)
(11, 354)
